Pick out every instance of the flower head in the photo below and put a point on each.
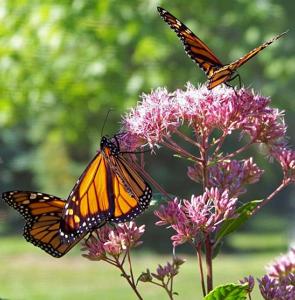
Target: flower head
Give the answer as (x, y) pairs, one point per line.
(201, 215)
(272, 289)
(130, 233)
(286, 158)
(283, 265)
(154, 117)
(233, 175)
(113, 241)
(251, 282)
(95, 248)
(279, 283)
(169, 270)
(171, 213)
(210, 209)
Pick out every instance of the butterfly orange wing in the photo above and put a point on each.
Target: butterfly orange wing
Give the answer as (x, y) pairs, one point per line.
(196, 49)
(132, 193)
(42, 213)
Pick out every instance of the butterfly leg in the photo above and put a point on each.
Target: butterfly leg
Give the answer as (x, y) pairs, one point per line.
(227, 84)
(234, 77)
(240, 83)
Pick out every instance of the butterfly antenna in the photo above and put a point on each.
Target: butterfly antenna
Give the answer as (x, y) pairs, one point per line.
(105, 121)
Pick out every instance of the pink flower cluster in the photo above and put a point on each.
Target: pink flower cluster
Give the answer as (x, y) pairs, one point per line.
(155, 117)
(283, 265)
(279, 283)
(250, 281)
(160, 113)
(286, 158)
(113, 241)
(167, 271)
(231, 175)
(198, 217)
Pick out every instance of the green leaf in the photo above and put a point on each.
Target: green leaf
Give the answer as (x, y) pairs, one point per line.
(244, 213)
(228, 292)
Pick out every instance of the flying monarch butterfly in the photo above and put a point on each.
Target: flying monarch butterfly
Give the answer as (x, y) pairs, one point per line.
(109, 190)
(199, 52)
(42, 213)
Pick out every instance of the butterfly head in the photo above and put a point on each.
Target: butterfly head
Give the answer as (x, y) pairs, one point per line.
(109, 147)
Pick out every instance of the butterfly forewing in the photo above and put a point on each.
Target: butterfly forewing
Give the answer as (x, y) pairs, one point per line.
(87, 206)
(194, 47)
(42, 213)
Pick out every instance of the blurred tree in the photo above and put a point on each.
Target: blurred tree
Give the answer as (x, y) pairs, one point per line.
(64, 64)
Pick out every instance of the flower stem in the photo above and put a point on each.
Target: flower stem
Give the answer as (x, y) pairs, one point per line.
(199, 254)
(169, 292)
(240, 150)
(204, 160)
(171, 285)
(130, 267)
(163, 285)
(127, 277)
(219, 143)
(186, 138)
(284, 183)
(176, 148)
(208, 247)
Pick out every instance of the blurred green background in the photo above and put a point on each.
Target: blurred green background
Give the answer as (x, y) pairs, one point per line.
(64, 64)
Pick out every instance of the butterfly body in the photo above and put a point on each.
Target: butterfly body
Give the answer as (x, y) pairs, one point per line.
(217, 73)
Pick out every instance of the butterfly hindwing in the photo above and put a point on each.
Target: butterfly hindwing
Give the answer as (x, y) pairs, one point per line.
(239, 62)
(132, 193)
(42, 213)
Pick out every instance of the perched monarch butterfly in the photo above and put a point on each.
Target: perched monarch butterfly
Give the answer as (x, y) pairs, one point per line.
(42, 213)
(109, 190)
(199, 52)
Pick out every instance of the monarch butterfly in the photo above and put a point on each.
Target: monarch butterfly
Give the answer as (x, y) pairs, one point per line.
(42, 213)
(199, 52)
(109, 190)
